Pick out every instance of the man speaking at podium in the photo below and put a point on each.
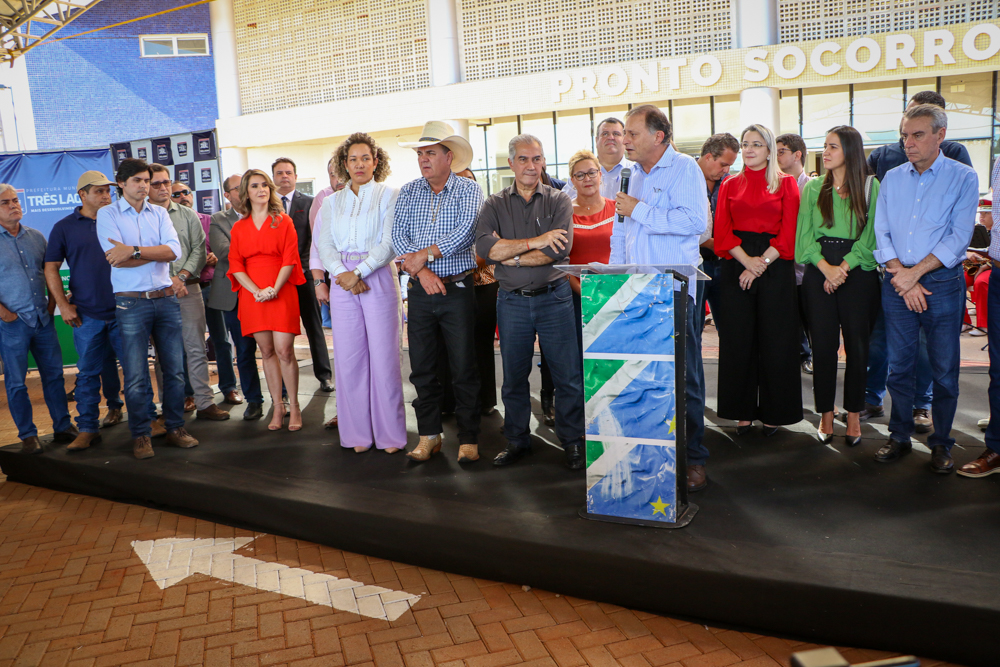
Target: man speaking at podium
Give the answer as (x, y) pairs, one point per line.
(666, 211)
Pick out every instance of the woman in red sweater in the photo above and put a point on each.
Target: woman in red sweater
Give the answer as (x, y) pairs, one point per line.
(758, 312)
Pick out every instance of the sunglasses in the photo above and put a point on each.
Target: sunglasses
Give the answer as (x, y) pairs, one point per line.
(181, 193)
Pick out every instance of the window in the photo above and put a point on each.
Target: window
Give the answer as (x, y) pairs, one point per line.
(166, 46)
(822, 109)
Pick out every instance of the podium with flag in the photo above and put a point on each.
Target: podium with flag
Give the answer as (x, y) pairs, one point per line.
(633, 367)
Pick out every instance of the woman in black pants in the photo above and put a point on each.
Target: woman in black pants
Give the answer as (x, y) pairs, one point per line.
(758, 314)
(836, 239)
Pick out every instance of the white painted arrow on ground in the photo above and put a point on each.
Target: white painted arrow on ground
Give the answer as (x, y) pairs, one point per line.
(172, 560)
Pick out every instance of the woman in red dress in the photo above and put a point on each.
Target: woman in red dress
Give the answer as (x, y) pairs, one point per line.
(264, 268)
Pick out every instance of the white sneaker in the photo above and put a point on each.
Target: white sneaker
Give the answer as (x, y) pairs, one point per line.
(977, 332)
(983, 423)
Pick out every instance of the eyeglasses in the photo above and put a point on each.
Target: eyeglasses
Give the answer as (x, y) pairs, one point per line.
(159, 184)
(181, 193)
(582, 175)
(755, 145)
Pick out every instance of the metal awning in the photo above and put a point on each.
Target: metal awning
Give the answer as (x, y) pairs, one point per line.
(24, 24)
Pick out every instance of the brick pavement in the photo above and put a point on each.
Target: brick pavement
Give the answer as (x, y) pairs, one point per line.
(74, 593)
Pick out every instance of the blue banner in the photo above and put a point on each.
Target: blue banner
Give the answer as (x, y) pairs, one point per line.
(46, 182)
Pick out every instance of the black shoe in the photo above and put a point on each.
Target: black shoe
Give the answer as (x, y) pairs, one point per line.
(574, 456)
(325, 385)
(824, 438)
(768, 431)
(941, 461)
(870, 412)
(852, 440)
(67, 436)
(548, 411)
(253, 411)
(743, 430)
(892, 450)
(510, 455)
(807, 367)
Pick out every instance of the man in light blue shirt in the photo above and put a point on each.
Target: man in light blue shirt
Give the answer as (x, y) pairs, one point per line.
(666, 211)
(610, 142)
(924, 218)
(139, 242)
(26, 324)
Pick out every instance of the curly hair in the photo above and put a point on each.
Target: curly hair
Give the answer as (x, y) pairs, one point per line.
(274, 206)
(340, 156)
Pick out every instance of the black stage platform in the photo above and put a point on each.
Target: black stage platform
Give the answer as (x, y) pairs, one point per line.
(793, 537)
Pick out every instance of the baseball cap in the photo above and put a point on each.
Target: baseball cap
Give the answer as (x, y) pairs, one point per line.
(92, 178)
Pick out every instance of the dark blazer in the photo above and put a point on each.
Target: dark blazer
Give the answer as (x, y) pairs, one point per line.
(299, 212)
(220, 233)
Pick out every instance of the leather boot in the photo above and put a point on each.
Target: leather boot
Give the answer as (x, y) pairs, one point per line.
(142, 447)
(157, 428)
(83, 441)
(31, 445)
(113, 418)
(181, 438)
(468, 453)
(427, 447)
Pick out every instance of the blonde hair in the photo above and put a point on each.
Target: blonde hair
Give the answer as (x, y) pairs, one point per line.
(274, 206)
(773, 173)
(579, 157)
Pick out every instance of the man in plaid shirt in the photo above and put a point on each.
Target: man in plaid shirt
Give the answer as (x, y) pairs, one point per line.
(433, 233)
(989, 461)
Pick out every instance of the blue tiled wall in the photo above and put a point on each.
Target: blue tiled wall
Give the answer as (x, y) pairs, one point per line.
(96, 89)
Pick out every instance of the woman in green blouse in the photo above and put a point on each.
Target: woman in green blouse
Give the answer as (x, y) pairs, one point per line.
(835, 240)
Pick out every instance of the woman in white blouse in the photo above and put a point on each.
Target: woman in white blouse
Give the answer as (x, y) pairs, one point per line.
(355, 244)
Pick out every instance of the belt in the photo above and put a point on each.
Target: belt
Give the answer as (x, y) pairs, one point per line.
(353, 256)
(193, 281)
(155, 294)
(458, 277)
(535, 292)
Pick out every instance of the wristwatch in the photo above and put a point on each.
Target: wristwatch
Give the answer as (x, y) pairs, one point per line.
(767, 260)
(517, 261)
(136, 253)
(317, 282)
(357, 272)
(430, 256)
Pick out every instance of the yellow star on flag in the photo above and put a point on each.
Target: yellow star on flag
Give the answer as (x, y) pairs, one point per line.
(660, 506)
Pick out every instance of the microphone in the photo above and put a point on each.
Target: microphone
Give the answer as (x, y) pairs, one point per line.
(626, 174)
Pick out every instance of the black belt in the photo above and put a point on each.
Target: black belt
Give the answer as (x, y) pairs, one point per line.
(458, 277)
(155, 294)
(536, 292)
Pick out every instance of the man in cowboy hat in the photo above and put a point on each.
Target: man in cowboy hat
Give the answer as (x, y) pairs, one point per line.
(433, 234)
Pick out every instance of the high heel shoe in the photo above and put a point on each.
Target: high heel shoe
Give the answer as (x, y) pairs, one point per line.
(292, 426)
(769, 431)
(852, 440)
(277, 427)
(743, 430)
(824, 438)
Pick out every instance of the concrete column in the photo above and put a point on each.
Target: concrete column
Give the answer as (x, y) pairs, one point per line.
(461, 127)
(227, 80)
(755, 23)
(442, 33)
(20, 113)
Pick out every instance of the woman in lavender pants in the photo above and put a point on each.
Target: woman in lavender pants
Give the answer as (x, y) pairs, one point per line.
(355, 244)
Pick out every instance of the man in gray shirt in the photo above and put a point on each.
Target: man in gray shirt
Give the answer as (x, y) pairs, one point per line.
(526, 230)
(184, 276)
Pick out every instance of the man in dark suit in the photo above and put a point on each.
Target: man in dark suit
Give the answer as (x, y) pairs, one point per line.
(224, 299)
(297, 207)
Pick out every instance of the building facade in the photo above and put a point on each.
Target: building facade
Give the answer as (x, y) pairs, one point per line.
(556, 67)
(146, 78)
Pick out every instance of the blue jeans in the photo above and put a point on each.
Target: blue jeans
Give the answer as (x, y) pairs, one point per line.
(246, 357)
(878, 368)
(96, 341)
(694, 383)
(942, 324)
(993, 336)
(111, 384)
(16, 340)
(138, 319)
(220, 340)
(551, 317)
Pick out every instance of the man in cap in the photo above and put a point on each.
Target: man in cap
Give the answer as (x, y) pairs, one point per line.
(433, 233)
(91, 313)
(26, 324)
(224, 300)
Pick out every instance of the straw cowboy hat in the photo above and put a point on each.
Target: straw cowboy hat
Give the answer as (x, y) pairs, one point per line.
(439, 132)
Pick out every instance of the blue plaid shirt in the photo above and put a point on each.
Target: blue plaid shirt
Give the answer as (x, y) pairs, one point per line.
(446, 219)
(22, 274)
